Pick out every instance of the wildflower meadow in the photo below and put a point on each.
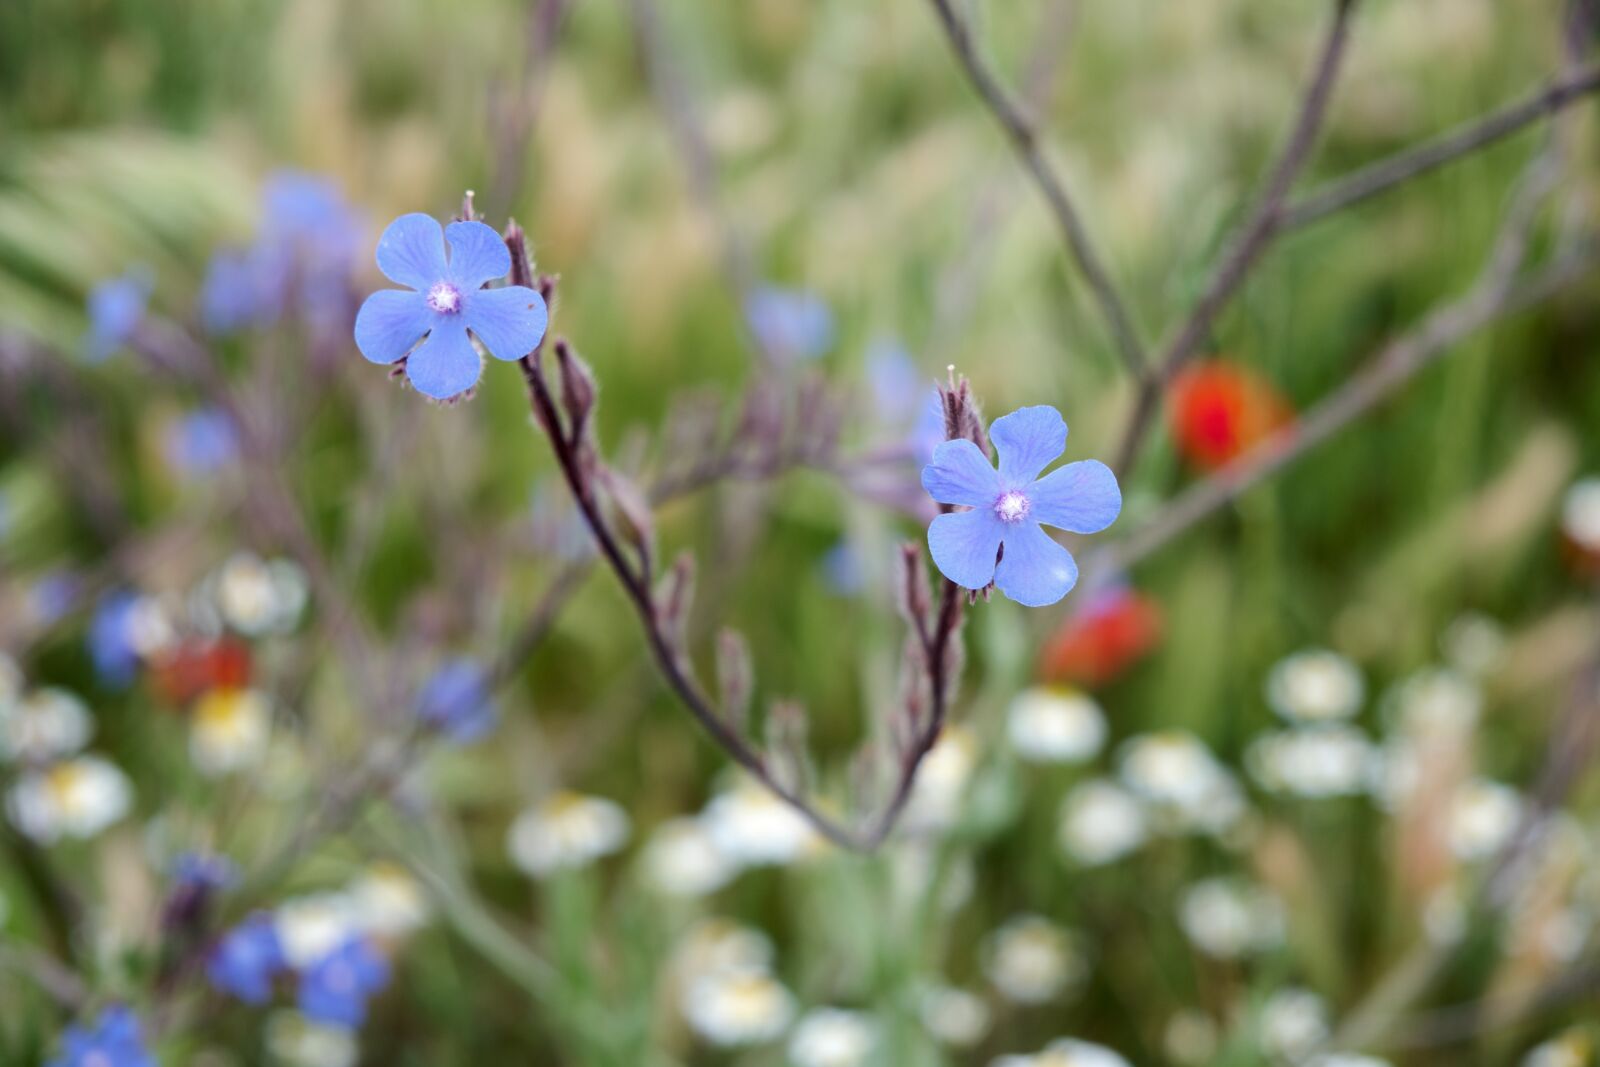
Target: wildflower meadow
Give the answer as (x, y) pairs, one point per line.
(844, 533)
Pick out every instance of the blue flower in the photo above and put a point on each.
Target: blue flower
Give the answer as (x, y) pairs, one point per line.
(1008, 506)
(447, 300)
(111, 638)
(116, 307)
(456, 700)
(201, 442)
(789, 324)
(842, 569)
(247, 959)
(113, 1040)
(235, 294)
(336, 988)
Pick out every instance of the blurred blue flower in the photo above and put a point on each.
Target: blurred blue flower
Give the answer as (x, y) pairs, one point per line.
(116, 307)
(457, 701)
(201, 442)
(204, 870)
(111, 638)
(842, 570)
(929, 431)
(446, 300)
(52, 595)
(1008, 506)
(789, 324)
(235, 293)
(336, 988)
(114, 1040)
(247, 959)
(895, 382)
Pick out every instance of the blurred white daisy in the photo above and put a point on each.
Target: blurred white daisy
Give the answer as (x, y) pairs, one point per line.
(1190, 1037)
(752, 827)
(1031, 960)
(229, 730)
(682, 860)
(1051, 725)
(295, 1041)
(1473, 644)
(737, 1006)
(47, 724)
(1227, 919)
(941, 782)
(313, 925)
(1315, 686)
(258, 597)
(385, 900)
(1575, 1048)
(1437, 699)
(1580, 514)
(832, 1037)
(1483, 816)
(1292, 1024)
(1065, 1052)
(566, 830)
(954, 1017)
(76, 798)
(1101, 822)
(719, 945)
(1313, 761)
(1185, 786)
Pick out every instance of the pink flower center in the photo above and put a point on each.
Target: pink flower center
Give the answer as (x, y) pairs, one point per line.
(1013, 506)
(444, 298)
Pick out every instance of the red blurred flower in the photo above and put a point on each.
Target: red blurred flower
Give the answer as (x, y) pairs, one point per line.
(1219, 410)
(195, 666)
(1112, 632)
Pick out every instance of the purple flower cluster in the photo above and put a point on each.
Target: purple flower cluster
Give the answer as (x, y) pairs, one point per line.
(333, 989)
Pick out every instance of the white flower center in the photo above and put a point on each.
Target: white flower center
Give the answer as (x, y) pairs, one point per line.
(444, 298)
(1013, 506)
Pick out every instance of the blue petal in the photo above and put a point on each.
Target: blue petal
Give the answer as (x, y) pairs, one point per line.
(411, 251)
(510, 321)
(390, 322)
(1082, 497)
(961, 474)
(1027, 440)
(446, 365)
(964, 546)
(1035, 571)
(477, 254)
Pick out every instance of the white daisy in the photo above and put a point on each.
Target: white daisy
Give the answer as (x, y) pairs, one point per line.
(737, 1006)
(1031, 960)
(385, 900)
(1580, 514)
(47, 724)
(1313, 761)
(258, 597)
(1184, 784)
(229, 729)
(311, 926)
(954, 1017)
(295, 1041)
(1315, 686)
(1228, 919)
(941, 782)
(1483, 816)
(76, 798)
(564, 831)
(1050, 725)
(752, 827)
(832, 1037)
(1293, 1022)
(682, 860)
(1101, 822)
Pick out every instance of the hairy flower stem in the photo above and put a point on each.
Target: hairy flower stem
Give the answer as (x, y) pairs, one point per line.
(579, 472)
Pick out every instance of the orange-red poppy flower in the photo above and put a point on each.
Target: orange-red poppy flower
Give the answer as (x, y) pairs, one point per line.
(1092, 647)
(1219, 410)
(193, 667)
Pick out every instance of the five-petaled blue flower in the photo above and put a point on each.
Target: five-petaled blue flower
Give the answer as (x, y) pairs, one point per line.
(1008, 506)
(112, 640)
(336, 988)
(113, 1040)
(456, 701)
(447, 300)
(247, 959)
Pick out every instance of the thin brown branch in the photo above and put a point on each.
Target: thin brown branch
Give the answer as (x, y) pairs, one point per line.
(1252, 238)
(1023, 134)
(1385, 174)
